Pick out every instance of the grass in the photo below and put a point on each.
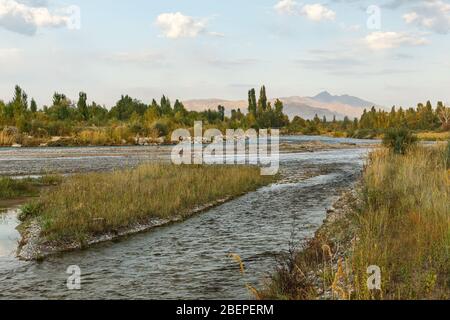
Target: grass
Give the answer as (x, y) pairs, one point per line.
(6, 139)
(400, 222)
(16, 188)
(96, 203)
(433, 136)
(404, 227)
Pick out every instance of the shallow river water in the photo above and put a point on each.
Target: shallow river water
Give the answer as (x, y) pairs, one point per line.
(187, 260)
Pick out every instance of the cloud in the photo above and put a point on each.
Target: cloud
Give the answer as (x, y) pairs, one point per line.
(432, 15)
(287, 7)
(25, 17)
(177, 25)
(315, 12)
(389, 40)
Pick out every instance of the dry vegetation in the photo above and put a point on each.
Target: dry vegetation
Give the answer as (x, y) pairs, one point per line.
(405, 225)
(434, 136)
(96, 203)
(400, 221)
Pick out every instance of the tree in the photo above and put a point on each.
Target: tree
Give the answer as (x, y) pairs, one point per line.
(262, 102)
(166, 107)
(82, 106)
(19, 104)
(126, 106)
(252, 102)
(2, 112)
(443, 113)
(33, 106)
(221, 110)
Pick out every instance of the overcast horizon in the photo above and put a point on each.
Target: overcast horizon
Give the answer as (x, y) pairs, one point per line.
(202, 49)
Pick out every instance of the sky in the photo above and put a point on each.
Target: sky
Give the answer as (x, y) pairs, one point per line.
(391, 52)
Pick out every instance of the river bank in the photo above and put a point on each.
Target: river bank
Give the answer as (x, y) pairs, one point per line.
(396, 219)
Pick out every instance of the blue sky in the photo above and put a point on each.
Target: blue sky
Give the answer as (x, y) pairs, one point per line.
(216, 48)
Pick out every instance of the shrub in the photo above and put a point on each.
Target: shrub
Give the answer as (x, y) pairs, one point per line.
(161, 129)
(399, 140)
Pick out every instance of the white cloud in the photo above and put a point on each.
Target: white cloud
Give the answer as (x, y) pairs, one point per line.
(318, 12)
(177, 25)
(389, 40)
(27, 18)
(315, 12)
(432, 15)
(410, 17)
(286, 7)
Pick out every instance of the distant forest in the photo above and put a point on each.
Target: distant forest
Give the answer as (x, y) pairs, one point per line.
(22, 121)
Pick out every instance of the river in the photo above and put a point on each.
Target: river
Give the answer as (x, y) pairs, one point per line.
(188, 260)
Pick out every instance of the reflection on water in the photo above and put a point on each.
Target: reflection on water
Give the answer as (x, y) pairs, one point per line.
(9, 236)
(190, 259)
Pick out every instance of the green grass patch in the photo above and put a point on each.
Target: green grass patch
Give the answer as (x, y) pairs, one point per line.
(29, 187)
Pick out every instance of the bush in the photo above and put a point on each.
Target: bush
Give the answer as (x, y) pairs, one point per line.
(399, 140)
(161, 129)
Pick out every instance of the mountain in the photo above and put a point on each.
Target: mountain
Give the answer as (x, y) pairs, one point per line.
(345, 99)
(323, 104)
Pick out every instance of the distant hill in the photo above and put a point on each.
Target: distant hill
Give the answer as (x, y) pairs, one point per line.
(323, 104)
(345, 99)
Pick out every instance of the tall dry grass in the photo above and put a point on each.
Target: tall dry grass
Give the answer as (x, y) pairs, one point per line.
(99, 202)
(404, 227)
(433, 136)
(94, 137)
(6, 139)
(400, 222)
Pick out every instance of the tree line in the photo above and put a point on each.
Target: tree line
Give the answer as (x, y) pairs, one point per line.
(159, 118)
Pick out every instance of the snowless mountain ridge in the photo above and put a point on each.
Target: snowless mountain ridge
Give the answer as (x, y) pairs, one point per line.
(324, 105)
